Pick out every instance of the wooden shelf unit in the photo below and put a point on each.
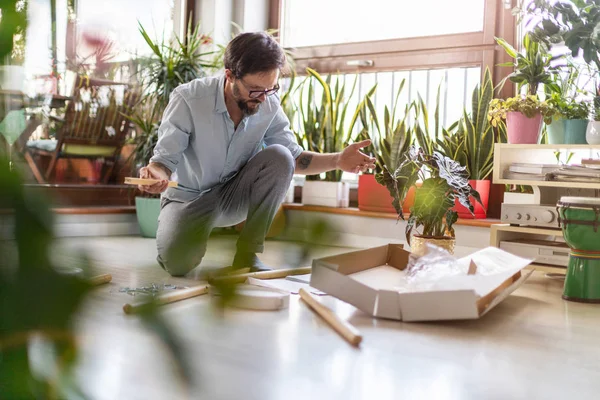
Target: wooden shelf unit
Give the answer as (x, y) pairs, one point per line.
(501, 232)
(546, 192)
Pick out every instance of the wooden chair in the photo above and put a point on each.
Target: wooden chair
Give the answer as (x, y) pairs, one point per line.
(94, 126)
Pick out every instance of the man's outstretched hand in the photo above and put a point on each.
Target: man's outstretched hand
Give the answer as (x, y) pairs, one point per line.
(351, 159)
(154, 171)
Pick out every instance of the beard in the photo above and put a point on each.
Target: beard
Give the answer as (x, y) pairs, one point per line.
(248, 107)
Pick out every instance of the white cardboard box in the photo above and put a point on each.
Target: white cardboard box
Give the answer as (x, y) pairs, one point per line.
(369, 280)
(328, 194)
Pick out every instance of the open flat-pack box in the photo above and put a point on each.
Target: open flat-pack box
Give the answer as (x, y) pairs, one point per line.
(375, 281)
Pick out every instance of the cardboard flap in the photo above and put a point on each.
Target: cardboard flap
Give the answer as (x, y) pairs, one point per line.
(359, 260)
(442, 305)
(397, 256)
(498, 299)
(388, 305)
(344, 288)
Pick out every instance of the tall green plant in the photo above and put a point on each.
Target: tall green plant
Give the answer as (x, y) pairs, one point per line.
(478, 131)
(324, 124)
(391, 137)
(532, 67)
(425, 134)
(174, 63)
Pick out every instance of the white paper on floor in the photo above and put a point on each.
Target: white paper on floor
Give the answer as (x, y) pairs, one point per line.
(285, 285)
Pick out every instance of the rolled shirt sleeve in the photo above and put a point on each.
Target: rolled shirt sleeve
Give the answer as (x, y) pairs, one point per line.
(173, 133)
(279, 132)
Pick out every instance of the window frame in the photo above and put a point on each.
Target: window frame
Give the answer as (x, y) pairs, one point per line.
(427, 52)
(430, 52)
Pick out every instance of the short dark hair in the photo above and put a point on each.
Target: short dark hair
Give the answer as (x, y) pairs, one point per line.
(253, 52)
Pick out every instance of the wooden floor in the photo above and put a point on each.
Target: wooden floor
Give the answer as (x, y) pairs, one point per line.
(532, 346)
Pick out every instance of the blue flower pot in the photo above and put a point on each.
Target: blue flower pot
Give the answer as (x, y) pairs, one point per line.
(147, 210)
(556, 131)
(575, 131)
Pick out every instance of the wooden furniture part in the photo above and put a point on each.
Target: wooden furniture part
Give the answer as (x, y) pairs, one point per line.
(544, 192)
(94, 127)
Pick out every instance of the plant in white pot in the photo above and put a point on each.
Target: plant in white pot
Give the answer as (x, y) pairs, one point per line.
(171, 64)
(325, 129)
(524, 113)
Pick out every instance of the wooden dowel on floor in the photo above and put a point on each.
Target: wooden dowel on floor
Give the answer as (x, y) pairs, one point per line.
(344, 328)
(166, 298)
(275, 274)
(100, 279)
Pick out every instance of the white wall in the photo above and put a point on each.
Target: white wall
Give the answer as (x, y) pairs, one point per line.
(364, 232)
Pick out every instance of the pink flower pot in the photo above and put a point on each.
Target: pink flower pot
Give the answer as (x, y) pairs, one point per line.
(523, 130)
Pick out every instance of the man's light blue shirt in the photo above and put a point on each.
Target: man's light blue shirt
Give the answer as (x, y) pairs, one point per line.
(198, 143)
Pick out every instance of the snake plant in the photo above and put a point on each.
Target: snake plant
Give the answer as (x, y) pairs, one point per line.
(325, 128)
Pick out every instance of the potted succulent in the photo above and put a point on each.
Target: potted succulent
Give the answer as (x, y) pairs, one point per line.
(170, 65)
(391, 138)
(524, 114)
(443, 181)
(474, 139)
(326, 130)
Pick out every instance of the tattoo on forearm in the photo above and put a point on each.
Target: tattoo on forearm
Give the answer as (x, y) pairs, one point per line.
(304, 161)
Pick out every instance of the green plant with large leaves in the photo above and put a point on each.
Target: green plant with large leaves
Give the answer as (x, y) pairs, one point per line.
(325, 128)
(573, 23)
(443, 181)
(532, 67)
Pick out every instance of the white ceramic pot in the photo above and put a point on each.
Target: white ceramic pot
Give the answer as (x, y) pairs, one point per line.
(592, 135)
(328, 194)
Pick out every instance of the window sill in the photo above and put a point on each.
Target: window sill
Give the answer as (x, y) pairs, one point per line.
(482, 223)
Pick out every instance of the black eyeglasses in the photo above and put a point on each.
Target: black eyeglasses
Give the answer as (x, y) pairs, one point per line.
(255, 94)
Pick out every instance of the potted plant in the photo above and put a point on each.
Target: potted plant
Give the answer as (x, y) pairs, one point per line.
(171, 64)
(326, 130)
(574, 24)
(443, 181)
(524, 114)
(391, 138)
(474, 147)
(571, 112)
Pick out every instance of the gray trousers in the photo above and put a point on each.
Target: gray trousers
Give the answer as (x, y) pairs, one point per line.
(253, 195)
